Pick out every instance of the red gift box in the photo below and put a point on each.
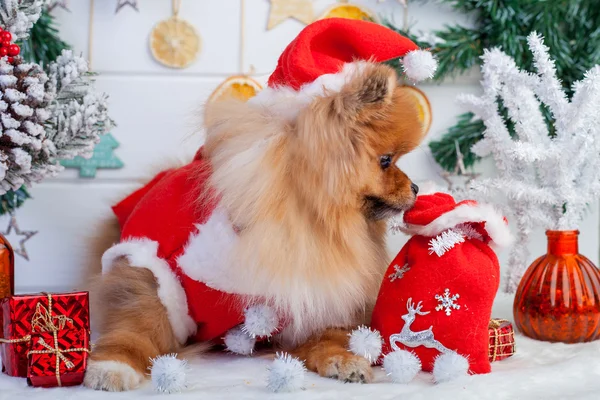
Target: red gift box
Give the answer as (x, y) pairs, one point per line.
(24, 315)
(58, 358)
(502, 339)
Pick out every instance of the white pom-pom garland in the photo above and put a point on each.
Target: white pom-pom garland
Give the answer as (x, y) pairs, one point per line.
(366, 343)
(168, 373)
(239, 342)
(286, 374)
(449, 366)
(419, 65)
(260, 321)
(401, 366)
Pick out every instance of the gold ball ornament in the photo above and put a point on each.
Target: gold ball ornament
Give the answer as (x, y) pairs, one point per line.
(174, 43)
(237, 87)
(422, 104)
(349, 11)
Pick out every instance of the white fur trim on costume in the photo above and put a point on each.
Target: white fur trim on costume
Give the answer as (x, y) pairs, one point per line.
(401, 366)
(142, 253)
(286, 374)
(207, 254)
(239, 342)
(169, 374)
(449, 366)
(112, 376)
(287, 102)
(260, 320)
(495, 225)
(419, 65)
(366, 342)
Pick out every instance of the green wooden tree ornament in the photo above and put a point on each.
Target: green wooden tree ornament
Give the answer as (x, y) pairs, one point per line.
(103, 157)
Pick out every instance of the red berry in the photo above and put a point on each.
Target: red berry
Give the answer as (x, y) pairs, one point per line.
(6, 36)
(6, 43)
(13, 50)
(10, 59)
(3, 51)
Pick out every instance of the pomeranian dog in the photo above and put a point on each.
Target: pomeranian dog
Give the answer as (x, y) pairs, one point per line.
(308, 188)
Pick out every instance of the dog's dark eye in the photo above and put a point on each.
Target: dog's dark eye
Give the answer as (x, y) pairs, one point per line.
(385, 161)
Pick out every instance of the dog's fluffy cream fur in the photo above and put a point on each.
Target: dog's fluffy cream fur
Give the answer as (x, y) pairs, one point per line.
(311, 197)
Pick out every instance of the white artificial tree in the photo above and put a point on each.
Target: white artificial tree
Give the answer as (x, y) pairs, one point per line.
(547, 181)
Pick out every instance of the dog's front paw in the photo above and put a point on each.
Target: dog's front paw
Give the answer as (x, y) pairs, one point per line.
(112, 376)
(346, 368)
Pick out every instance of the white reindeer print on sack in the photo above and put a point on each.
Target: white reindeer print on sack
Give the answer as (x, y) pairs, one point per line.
(403, 365)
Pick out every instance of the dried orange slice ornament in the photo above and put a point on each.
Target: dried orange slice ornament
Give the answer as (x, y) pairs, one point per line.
(237, 87)
(349, 11)
(423, 106)
(174, 42)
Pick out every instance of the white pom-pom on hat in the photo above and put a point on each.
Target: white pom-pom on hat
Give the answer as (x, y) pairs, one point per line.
(365, 342)
(168, 373)
(260, 321)
(239, 342)
(419, 65)
(401, 366)
(286, 374)
(449, 366)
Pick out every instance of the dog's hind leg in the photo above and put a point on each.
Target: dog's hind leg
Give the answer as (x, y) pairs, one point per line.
(134, 328)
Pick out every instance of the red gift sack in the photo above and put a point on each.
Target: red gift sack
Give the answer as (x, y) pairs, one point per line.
(24, 315)
(437, 294)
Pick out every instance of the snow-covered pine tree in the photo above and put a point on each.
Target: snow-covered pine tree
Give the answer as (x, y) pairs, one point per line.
(44, 118)
(548, 180)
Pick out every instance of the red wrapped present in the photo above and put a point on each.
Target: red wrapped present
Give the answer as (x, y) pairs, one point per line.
(58, 358)
(24, 315)
(502, 339)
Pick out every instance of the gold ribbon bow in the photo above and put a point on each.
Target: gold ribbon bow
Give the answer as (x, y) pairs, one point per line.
(59, 354)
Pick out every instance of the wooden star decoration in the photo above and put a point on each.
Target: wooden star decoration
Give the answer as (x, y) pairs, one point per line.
(123, 3)
(459, 177)
(58, 3)
(22, 251)
(300, 10)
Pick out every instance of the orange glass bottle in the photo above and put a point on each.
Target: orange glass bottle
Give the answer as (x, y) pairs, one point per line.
(558, 298)
(7, 268)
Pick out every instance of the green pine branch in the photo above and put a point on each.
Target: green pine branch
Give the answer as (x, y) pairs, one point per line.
(571, 30)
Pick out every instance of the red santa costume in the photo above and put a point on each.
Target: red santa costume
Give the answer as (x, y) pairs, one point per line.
(182, 240)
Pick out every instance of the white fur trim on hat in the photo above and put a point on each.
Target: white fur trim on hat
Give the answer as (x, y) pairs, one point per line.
(495, 226)
(142, 253)
(287, 102)
(419, 65)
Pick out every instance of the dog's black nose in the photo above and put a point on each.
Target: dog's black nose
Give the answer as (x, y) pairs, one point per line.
(414, 188)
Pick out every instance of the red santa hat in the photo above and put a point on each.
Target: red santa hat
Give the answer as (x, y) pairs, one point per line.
(434, 213)
(328, 52)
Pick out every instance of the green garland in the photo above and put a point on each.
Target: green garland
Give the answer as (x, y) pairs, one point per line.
(571, 29)
(42, 46)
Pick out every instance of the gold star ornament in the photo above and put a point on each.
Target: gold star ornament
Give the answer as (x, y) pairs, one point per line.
(22, 251)
(300, 10)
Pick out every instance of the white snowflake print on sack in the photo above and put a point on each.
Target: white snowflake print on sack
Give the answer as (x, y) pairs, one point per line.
(398, 272)
(447, 302)
(445, 241)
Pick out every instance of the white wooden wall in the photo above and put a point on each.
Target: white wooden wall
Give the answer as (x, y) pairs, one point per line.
(156, 110)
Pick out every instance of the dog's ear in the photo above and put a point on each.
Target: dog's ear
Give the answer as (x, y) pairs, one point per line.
(369, 89)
